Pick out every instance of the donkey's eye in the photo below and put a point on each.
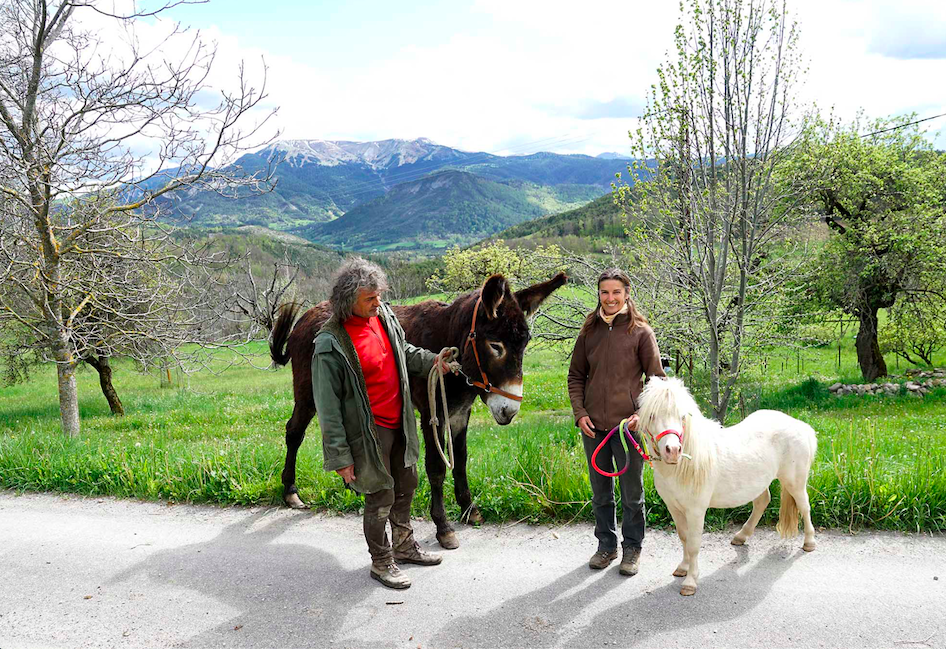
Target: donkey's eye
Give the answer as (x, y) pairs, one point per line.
(497, 348)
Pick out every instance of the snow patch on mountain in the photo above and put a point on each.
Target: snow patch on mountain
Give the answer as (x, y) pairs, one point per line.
(384, 154)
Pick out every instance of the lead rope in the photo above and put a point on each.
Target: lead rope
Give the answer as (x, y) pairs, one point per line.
(435, 378)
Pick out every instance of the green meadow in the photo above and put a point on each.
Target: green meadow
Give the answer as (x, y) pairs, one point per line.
(217, 437)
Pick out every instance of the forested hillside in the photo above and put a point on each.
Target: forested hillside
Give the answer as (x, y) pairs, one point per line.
(588, 228)
(443, 209)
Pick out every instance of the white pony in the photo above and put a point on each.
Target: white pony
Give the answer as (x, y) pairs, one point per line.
(700, 464)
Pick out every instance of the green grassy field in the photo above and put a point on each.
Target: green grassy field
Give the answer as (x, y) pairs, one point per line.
(218, 438)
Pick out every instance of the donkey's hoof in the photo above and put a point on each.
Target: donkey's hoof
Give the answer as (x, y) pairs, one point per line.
(738, 540)
(686, 591)
(679, 572)
(294, 501)
(448, 540)
(808, 547)
(475, 517)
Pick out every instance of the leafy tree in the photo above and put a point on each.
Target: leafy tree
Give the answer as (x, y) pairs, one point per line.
(915, 329)
(85, 266)
(883, 197)
(710, 211)
(466, 270)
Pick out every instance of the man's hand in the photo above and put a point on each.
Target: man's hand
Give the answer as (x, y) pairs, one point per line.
(633, 422)
(444, 366)
(347, 473)
(585, 425)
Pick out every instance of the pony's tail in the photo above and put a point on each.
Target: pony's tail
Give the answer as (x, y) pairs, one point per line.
(281, 330)
(787, 516)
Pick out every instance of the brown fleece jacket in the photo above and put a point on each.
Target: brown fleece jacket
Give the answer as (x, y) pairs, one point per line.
(605, 377)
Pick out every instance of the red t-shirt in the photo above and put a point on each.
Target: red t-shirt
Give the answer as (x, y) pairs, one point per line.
(379, 367)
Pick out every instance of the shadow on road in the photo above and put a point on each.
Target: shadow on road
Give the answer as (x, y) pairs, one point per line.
(552, 616)
(286, 595)
(531, 620)
(725, 594)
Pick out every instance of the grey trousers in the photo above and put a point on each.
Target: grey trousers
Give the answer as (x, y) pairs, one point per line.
(611, 458)
(391, 504)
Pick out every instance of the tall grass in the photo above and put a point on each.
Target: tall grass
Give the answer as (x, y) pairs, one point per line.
(220, 439)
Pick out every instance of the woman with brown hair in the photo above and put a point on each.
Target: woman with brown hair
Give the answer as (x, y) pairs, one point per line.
(614, 350)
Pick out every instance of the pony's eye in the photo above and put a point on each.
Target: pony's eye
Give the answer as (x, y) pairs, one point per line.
(497, 348)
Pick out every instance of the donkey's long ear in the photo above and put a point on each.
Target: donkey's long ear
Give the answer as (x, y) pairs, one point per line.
(530, 298)
(494, 290)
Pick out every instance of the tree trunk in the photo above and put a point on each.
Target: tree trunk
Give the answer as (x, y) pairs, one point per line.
(868, 350)
(714, 369)
(104, 369)
(68, 394)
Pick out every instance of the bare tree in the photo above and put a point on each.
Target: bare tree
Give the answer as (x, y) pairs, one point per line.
(93, 133)
(708, 220)
(258, 300)
(561, 316)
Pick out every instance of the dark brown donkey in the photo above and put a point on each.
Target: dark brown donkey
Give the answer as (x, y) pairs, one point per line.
(501, 336)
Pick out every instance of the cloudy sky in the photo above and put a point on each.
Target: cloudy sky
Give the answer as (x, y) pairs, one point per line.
(518, 76)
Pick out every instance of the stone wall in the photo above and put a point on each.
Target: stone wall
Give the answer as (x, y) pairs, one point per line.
(919, 382)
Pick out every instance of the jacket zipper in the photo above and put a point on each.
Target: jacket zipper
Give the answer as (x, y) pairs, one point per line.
(608, 361)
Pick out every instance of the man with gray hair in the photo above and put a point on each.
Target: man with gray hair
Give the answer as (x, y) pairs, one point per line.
(360, 370)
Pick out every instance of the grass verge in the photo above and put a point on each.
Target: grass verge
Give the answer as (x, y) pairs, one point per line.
(219, 439)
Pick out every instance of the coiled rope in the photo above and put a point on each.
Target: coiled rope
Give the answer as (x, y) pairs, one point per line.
(435, 378)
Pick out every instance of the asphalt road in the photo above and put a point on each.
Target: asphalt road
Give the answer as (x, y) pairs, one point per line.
(100, 573)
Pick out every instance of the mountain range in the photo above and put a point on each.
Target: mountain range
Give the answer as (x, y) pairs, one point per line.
(399, 193)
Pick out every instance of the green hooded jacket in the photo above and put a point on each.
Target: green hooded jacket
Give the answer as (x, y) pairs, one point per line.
(341, 400)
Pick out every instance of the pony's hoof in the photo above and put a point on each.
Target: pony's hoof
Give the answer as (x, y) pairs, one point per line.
(737, 540)
(679, 572)
(686, 591)
(448, 540)
(475, 517)
(294, 501)
(808, 547)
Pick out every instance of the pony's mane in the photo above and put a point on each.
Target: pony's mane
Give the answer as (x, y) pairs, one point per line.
(669, 397)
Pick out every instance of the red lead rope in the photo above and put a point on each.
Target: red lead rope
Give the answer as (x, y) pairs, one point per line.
(627, 464)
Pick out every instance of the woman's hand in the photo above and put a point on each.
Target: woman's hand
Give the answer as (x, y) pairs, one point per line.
(633, 422)
(586, 426)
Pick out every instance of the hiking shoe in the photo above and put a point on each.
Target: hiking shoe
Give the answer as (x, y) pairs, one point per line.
(418, 556)
(390, 575)
(630, 561)
(602, 559)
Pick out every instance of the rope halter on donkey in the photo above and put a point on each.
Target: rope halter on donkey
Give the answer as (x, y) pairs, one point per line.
(484, 385)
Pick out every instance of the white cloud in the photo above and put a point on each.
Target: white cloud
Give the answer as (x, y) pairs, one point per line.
(910, 29)
(567, 77)
(849, 72)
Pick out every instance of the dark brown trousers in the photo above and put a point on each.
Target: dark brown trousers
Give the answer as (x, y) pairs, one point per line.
(391, 504)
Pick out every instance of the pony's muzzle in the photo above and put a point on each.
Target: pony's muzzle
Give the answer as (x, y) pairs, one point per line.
(671, 453)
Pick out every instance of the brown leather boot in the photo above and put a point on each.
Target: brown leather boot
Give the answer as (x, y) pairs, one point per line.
(602, 559)
(630, 561)
(390, 575)
(406, 549)
(415, 555)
